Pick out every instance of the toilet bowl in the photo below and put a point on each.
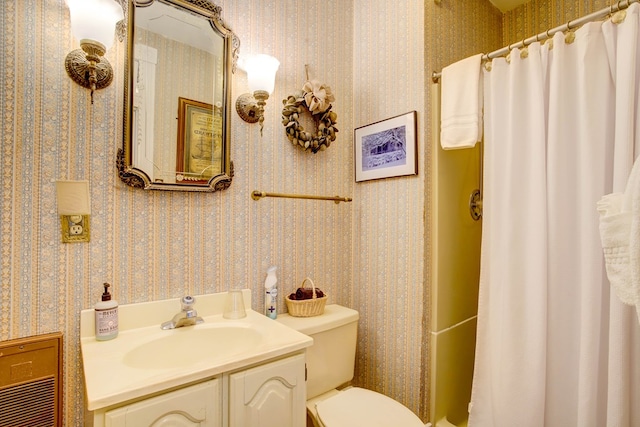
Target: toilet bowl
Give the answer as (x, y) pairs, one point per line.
(361, 407)
(330, 365)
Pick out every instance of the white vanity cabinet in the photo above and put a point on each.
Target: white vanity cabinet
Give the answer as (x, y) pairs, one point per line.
(247, 372)
(197, 405)
(269, 395)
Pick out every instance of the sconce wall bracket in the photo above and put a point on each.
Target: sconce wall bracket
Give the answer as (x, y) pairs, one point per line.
(251, 107)
(247, 108)
(88, 67)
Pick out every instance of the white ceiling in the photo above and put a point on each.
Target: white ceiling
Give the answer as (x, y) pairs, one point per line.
(505, 5)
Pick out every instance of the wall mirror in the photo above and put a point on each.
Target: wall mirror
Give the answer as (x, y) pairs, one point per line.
(181, 58)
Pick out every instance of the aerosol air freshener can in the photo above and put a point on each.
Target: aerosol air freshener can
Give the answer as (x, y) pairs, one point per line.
(271, 293)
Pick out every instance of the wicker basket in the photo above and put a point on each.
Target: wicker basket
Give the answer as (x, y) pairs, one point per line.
(307, 307)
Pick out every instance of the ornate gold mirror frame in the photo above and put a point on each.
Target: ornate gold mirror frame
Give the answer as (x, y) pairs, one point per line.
(177, 100)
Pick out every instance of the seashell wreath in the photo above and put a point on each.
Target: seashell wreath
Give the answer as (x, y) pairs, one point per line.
(316, 98)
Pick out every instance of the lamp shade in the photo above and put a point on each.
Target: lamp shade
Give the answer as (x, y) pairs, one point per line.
(95, 19)
(261, 72)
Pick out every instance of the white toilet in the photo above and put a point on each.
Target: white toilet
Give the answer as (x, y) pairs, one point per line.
(330, 364)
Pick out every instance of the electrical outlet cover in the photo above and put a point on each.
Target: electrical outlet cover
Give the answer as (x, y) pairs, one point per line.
(74, 228)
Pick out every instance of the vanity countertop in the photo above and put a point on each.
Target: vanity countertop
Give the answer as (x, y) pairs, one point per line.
(117, 371)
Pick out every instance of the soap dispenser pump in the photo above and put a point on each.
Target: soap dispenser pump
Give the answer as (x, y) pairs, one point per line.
(271, 292)
(106, 316)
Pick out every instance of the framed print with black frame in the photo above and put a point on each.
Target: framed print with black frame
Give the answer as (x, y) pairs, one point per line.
(386, 149)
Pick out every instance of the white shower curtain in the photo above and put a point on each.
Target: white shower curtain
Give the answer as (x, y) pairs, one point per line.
(561, 130)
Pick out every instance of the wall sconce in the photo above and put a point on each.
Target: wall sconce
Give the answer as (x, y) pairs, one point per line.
(261, 76)
(93, 23)
(74, 209)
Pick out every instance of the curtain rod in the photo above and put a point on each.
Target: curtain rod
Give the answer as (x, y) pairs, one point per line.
(256, 195)
(620, 5)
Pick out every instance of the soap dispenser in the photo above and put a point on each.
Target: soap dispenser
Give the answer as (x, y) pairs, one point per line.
(106, 316)
(271, 292)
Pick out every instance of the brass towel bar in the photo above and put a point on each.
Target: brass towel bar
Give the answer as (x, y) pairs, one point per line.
(257, 195)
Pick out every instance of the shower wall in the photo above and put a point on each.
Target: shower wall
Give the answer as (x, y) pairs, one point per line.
(453, 237)
(456, 269)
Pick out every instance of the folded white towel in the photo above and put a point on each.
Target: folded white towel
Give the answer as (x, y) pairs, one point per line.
(620, 236)
(461, 109)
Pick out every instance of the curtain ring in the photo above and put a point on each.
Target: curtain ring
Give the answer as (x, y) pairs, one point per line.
(568, 25)
(524, 53)
(549, 39)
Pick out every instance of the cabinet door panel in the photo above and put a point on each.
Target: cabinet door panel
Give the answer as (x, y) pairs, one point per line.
(270, 395)
(197, 405)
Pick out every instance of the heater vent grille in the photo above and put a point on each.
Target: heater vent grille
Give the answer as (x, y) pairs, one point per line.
(31, 381)
(29, 405)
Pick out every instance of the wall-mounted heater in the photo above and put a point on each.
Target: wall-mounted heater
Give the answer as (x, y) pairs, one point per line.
(31, 381)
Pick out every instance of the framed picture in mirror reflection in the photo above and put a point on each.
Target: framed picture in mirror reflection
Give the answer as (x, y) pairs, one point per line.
(199, 146)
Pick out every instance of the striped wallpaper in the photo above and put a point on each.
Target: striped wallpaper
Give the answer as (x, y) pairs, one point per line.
(538, 16)
(371, 254)
(389, 214)
(157, 245)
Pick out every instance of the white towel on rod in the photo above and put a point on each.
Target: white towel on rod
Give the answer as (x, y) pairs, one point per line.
(461, 107)
(620, 236)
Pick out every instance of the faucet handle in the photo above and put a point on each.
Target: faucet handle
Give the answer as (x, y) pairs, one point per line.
(187, 302)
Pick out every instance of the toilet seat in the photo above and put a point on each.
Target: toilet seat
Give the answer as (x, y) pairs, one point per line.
(361, 407)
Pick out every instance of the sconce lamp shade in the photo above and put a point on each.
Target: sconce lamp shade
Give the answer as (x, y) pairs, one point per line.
(73, 198)
(261, 76)
(94, 20)
(261, 72)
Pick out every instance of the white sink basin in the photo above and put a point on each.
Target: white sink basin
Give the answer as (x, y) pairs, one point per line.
(190, 345)
(144, 359)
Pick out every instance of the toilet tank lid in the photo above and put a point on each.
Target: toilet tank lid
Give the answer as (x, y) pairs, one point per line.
(334, 316)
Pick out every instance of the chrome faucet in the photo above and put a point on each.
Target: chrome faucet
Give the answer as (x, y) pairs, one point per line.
(188, 316)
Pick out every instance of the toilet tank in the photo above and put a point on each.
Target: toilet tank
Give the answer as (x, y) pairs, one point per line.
(331, 358)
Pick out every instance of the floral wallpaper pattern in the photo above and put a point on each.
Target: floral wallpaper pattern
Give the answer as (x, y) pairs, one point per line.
(371, 254)
(157, 245)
